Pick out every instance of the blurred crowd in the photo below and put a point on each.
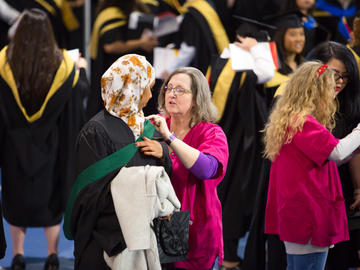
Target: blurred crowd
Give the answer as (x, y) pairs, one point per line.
(218, 127)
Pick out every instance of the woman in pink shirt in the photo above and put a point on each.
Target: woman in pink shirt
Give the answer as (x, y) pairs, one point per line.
(199, 154)
(305, 205)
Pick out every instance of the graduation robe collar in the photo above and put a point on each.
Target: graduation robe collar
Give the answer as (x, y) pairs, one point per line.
(175, 4)
(278, 79)
(223, 85)
(357, 57)
(217, 30)
(68, 17)
(62, 74)
(113, 14)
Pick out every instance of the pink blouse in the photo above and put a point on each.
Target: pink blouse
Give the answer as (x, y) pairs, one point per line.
(305, 196)
(200, 197)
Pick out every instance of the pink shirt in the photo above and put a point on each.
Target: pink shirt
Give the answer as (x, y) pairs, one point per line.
(305, 197)
(200, 197)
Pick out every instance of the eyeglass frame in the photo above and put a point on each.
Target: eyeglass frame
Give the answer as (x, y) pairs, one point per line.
(178, 91)
(338, 76)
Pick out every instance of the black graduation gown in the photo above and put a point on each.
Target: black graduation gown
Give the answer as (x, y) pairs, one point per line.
(256, 9)
(36, 152)
(330, 23)
(114, 24)
(243, 117)
(195, 30)
(93, 222)
(255, 252)
(314, 36)
(61, 17)
(345, 254)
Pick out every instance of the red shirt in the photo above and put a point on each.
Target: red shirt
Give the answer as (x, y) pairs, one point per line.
(305, 197)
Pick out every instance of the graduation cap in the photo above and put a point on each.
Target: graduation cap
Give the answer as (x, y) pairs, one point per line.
(285, 20)
(253, 28)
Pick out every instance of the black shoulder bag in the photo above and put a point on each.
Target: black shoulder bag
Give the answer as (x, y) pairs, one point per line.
(172, 235)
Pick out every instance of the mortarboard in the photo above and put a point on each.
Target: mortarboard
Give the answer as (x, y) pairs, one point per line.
(290, 19)
(253, 28)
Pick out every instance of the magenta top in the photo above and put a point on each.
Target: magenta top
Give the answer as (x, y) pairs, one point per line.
(200, 197)
(305, 196)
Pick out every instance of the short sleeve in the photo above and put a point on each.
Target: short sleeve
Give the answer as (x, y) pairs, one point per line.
(214, 142)
(315, 141)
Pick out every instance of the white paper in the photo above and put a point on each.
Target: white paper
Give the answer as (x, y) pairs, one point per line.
(163, 58)
(137, 19)
(74, 54)
(242, 59)
(165, 25)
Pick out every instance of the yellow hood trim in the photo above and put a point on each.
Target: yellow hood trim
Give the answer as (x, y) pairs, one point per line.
(107, 14)
(61, 76)
(216, 27)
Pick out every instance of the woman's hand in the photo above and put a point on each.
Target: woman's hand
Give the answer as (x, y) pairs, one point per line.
(356, 203)
(150, 147)
(245, 43)
(160, 125)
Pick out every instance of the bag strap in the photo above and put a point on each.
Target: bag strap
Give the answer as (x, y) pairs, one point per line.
(100, 169)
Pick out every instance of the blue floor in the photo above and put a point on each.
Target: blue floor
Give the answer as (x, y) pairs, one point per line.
(35, 249)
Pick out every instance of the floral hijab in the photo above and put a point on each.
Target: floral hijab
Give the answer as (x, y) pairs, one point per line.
(122, 87)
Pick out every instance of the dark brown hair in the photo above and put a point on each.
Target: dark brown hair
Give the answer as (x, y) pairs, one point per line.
(279, 39)
(34, 58)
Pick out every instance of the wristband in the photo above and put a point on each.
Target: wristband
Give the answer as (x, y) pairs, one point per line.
(170, 139)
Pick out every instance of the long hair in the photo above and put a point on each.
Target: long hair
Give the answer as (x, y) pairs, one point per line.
(306, 93)
(203, 109)
(34, 58)
(279, 39)
(349, 97)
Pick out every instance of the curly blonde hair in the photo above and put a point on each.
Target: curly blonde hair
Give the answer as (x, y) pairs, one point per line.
(306, 93)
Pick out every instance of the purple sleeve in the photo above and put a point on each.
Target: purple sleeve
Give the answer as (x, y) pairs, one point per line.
(205, 167)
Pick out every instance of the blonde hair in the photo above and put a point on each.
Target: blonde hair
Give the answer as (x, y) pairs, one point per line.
(306, 93)
(203, 109)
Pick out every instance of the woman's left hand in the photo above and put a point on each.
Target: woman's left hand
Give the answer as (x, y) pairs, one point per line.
(150, 147)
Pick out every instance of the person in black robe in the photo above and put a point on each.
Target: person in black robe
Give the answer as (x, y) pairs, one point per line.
(290, 57)
(109, 40)
(60, 14)
(335, 16)
(201, 35)
(41, 113)
(290, 41)
(246, 102)
(345, 255)
(314, 32)
(90, 217)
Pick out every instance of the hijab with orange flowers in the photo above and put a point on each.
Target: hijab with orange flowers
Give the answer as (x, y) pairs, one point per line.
(122, 87)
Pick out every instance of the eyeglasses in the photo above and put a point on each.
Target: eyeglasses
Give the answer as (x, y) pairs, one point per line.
(176, 90)
(345, 77)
